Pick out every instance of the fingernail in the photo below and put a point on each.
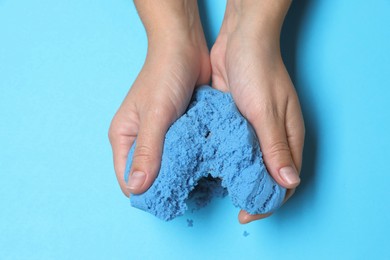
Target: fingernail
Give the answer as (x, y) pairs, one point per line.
(136, 180)
(289, 175)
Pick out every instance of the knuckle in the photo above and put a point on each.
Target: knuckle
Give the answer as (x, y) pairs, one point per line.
(112, 132)
(143, 154)
(159, 114)
(156, 112)
(276, 149)
(264, 111)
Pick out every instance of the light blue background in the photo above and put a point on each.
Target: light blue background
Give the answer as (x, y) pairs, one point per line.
(65, 66)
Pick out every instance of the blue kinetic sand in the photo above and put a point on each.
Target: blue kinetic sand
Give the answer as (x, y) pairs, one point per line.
(211, 140)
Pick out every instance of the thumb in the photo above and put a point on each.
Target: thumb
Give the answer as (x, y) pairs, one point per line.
(147, 154)
(272, 136)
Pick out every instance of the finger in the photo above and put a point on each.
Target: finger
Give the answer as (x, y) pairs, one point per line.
(121, 137)
(245, 218)
(147, 153)
(295, 129)
(270, 130)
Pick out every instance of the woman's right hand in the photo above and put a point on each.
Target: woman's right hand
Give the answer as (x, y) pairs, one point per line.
(246, 61)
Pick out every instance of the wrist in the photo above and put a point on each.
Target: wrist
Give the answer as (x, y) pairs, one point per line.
(259, 19)
(170, 21)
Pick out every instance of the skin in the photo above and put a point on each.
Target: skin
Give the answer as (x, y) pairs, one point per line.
(244, 60)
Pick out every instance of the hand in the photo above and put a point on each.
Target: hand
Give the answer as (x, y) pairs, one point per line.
(176, 62)
(246, 61)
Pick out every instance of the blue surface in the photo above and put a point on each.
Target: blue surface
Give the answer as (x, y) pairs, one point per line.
(65, 66)
(211, 140)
